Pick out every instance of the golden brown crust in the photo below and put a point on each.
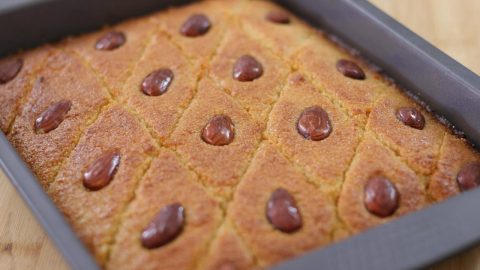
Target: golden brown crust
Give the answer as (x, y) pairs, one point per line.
(114, 66)
(283, 39)
(198, 49)
(95, 214)
(167, 157)
(318, 58)
(419, 148)
(270, 170)
(228, 249)
(161, 112)
(372, 159)
(13, 93)
(339, 146)
(219, 166)
(454, 154)
(256, 96)
(63, 77)
(166, 182)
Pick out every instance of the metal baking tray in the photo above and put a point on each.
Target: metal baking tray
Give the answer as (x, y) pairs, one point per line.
(414, 241)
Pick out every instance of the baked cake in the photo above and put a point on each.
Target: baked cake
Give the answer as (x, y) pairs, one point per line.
(222, 135)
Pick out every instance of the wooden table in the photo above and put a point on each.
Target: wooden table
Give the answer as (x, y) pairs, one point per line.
(452, 25)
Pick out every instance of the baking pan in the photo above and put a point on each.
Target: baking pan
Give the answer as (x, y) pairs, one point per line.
(414, 241)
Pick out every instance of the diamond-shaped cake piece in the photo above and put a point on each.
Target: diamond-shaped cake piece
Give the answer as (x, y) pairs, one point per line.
(318, 59)
(268, 172)
(115, 63)
(62, 80)
(197, 28)
(95, 214)
(220, 166)
(21, 71)
(325, 160)
(161, 100)
(227, 251)
(273, 26)
(404, 194)
(256, 95)
(166, 182)
(455, 155)
(419, 147)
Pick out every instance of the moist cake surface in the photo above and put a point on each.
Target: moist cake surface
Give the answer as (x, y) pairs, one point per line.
(222, 135)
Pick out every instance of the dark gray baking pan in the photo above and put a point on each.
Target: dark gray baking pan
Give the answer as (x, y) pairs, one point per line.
(414, 241)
